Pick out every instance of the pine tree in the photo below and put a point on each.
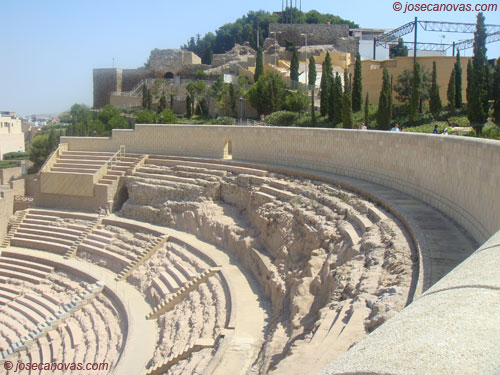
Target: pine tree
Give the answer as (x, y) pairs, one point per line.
(312, 84)
(367, 113)
(357, 86)
(458, 82)
(337, 102)
(294, 68)
(259, 65)
(416, 91)
(347, 117)
(435, 100)
(496, 94)
(326, 79)
(384, 113)
(452, 91)
(478, 105)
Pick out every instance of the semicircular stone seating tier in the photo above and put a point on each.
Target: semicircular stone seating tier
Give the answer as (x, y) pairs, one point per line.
(53, 313)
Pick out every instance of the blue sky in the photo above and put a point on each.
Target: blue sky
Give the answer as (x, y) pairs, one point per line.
(50, 47)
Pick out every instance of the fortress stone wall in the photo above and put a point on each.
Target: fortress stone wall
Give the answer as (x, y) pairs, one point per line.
(453, 174)
(323, 34)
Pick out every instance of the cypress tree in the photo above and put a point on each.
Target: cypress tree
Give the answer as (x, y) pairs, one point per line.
(366, 110)
(435, 100)
(337, 100)
(326, 79)
(162, 104)
(384, 113)
(188, 106)
(416, 91)
(468, 91)
(312, 84)
(458, 82)
(478, 106)
(331, 101)
(232, 99)
(259, 65)
(294, 67)
(347, 117)
(496, 94)
(451, 91)
(357, 86)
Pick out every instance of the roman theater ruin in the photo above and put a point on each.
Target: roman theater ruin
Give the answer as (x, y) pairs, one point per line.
(257, 250)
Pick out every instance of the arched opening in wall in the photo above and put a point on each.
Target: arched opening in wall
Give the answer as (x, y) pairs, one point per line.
(168, 75)
(121, 197)
(228, 149)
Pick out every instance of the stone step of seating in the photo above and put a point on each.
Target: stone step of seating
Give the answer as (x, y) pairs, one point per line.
(102, 159)
(40, 237)
(51, 299)
(62, 214)
(9, 257)
(210, 165)
(115, 173)
(67, 160)
(111, 177)
(64, 230)
(89, 153)
(204, 171)
(40, 245)
(55, 341)
(10, 289)
(171, 178)
(38, 216)
(262, 198)
(332, 320)
(39, 309)
(76, 166)
(178, 276)
(74, 332)
(44, 349)
(8, 295)
(22, 269)
(97, 242)
(195, 176)
(74, 170)
(363, 222)
(281, 194)
(5, 299)
(98, 237)
(106, 181)
(376, 215)
(48, 304)
(45, 233)
(349, 233)
(104, 253)
(162, 288)
(29, 314)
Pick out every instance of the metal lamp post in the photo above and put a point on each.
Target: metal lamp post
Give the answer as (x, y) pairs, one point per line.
(305, 36)
(241, 109)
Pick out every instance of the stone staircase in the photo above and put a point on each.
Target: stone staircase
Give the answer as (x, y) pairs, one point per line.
(17, 222)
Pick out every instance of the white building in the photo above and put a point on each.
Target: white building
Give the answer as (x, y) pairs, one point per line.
(11, 134)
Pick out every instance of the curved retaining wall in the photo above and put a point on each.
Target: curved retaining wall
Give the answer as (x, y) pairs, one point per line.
(457, 175)
(453, 328)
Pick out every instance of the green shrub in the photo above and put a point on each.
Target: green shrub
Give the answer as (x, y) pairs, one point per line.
(282, 118)
(223, 120)
(16, 156)
(462, 121)
(7, 164)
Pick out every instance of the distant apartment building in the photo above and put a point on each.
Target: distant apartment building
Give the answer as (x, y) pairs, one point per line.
(11, 134)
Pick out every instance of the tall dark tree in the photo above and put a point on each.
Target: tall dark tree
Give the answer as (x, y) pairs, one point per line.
(416, 91)
(384, 113)
(468, 91)
(162, 104)
(478, 105)
(147, 98)
(232, 99)
(337, 100)
(367, 113)
(496, 94)
(347, 117)
(259, 65)
(452, 91)
(268, 94)
(357, 86)
(435, 100)
(399, 50)
(294, 67)
(312, 85)
(189, 106)
(326, 79)
(458, 82)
